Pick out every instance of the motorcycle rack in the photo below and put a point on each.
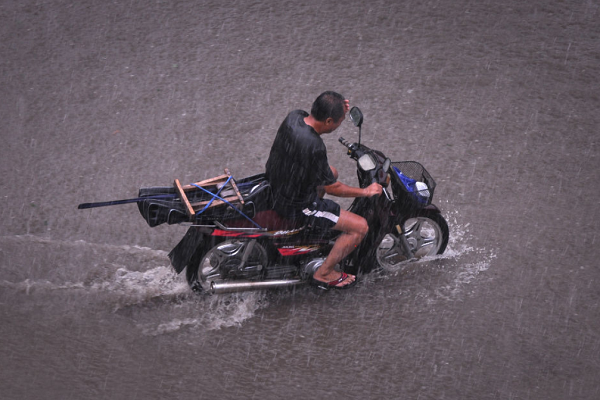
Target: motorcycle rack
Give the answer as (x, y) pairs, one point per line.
(226, 228)
(219, 225)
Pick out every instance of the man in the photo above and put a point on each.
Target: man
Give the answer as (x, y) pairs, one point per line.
(300, 175)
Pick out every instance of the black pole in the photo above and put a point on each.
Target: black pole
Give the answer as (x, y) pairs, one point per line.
(126, 201)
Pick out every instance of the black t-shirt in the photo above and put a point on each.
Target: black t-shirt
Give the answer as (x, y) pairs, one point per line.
(297, 164)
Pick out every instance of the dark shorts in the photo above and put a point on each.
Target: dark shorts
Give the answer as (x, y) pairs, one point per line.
(323, 213)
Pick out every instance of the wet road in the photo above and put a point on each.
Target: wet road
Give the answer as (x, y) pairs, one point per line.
(499, 102)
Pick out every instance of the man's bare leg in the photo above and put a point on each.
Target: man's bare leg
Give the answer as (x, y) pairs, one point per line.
(354, 228)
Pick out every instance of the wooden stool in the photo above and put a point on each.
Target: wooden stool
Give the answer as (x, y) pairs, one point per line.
(206, 184)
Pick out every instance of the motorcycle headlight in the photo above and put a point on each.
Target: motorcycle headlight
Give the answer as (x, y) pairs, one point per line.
(366, 162)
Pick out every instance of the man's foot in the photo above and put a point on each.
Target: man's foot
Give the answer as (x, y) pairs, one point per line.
(345, 281)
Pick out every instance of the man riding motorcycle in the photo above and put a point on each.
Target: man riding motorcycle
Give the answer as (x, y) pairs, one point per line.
(300, 174)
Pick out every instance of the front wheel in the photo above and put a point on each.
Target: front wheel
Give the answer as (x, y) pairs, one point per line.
(426, 233)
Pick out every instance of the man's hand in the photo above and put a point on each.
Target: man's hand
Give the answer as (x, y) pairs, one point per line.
(373, 189)
(346, 106)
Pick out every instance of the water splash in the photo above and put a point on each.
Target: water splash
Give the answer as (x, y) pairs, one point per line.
(458, 248)
(127, 279)
(140, 285)
(214, 312)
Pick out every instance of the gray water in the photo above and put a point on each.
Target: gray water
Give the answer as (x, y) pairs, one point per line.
(499, 100)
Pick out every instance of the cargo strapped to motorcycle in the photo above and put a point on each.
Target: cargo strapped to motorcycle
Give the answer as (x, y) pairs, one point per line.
(224, 183)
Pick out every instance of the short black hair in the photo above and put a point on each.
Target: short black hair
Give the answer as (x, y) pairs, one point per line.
(328, 105)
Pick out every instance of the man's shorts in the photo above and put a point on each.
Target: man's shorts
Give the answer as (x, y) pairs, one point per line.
(322, 213)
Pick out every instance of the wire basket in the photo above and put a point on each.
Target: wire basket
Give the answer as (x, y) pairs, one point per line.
(413, 185)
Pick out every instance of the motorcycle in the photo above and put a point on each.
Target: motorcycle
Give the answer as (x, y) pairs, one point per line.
(248, 246)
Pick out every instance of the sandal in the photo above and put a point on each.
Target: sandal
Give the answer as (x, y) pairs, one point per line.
(333, 284)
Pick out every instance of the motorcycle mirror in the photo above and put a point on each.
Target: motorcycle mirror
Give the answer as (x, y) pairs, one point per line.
(386, 164)
(356, 116)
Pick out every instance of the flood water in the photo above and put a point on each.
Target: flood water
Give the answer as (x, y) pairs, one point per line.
(499, 100)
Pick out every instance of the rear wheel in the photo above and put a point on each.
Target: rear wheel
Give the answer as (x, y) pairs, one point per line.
(221, 260)
(426, 233)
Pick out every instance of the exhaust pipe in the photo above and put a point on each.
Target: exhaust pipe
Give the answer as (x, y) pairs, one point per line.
(241, 286)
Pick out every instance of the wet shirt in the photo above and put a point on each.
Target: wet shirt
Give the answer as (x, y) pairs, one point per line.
(297, 164)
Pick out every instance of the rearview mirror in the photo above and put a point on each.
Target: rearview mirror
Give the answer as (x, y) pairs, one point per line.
(356, 116)
(386, 164)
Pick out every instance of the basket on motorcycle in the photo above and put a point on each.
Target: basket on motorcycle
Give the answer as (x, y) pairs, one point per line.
(413, 187)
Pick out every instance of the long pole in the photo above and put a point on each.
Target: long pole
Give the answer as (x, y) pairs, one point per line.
(126, 201)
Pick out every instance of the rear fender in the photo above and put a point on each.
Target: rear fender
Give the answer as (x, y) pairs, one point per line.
(182, 254)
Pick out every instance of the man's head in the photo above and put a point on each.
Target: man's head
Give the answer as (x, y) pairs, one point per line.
(329, 110)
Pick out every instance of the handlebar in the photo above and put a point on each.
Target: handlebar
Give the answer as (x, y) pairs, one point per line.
(344, 142)
(352, 147)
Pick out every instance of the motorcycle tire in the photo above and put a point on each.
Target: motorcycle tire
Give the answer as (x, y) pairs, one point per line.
(427, 234)
(218, 259)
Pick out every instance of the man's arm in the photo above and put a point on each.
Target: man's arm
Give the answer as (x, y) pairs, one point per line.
(340, 189)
